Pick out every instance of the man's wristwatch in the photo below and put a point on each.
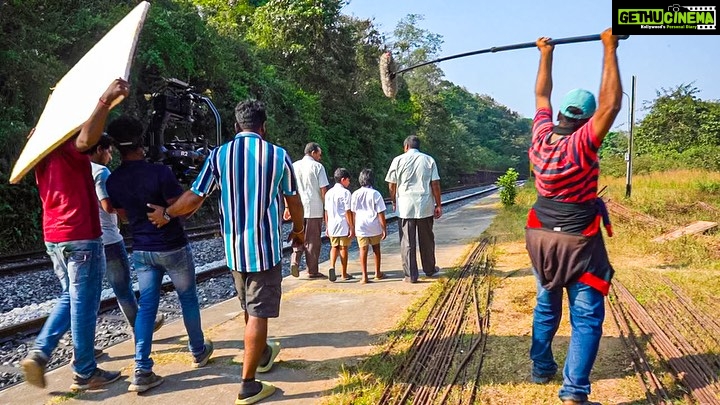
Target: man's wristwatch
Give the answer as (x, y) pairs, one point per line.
(166, 215)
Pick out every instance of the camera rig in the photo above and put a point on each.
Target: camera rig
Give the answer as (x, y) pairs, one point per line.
(178, 124)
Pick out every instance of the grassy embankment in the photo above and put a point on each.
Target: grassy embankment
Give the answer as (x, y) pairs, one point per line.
(675, 199)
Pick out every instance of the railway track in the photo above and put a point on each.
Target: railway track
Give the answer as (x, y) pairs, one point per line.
(682, 338)
(38, 259)
(441, 361)
(30, 327)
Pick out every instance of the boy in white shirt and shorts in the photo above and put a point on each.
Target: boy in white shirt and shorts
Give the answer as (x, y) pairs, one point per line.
(339, 222)
(368, 209)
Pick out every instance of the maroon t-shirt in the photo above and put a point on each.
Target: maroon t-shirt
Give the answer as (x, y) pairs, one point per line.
(568, 169)
(67, 191)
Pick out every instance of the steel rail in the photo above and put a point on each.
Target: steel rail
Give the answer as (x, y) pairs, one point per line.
(38, 260)
(33, 326)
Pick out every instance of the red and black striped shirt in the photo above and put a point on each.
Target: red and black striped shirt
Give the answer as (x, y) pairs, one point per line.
(568, 169)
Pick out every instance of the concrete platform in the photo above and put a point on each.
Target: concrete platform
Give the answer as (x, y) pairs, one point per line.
(322, 326)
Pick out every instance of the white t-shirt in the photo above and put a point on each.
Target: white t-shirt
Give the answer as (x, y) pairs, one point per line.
(337, 204)
(310, 177)
(412, 172)
(367, 203)
(108, 222)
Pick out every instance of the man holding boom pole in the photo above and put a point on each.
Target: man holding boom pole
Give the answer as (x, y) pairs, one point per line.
(563, 235)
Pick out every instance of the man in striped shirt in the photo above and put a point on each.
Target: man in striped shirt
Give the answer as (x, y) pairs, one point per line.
(563, 235)
(252, 175)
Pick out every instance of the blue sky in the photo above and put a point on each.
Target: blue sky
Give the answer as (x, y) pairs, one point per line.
(658, 61)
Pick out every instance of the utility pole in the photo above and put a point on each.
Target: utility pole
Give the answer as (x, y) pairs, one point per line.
(631, 124)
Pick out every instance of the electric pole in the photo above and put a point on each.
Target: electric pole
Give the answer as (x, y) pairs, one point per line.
(631, 124)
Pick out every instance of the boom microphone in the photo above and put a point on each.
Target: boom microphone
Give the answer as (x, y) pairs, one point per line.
(388, 75)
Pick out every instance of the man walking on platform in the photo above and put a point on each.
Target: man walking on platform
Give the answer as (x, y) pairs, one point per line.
(253, 175)
(312, 183)
(116, 257)
(414, 186)
(155, 251)
(71, 229)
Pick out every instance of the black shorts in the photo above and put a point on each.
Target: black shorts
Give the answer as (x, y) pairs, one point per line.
(260, 292)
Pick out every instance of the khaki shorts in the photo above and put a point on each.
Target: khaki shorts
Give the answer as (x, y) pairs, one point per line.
(340, 241)
(260, 292)
(369, 240)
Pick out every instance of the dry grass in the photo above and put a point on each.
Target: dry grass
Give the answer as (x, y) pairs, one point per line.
(364, 383)
(691, 262)
(506, 371)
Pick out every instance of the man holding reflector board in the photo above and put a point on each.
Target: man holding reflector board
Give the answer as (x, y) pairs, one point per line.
(71, 123)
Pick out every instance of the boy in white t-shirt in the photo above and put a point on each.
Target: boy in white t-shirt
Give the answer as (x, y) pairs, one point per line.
(339, 222)
(368, 209)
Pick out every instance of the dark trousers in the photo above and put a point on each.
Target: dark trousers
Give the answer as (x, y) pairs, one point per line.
(311, 248)
(425, 240)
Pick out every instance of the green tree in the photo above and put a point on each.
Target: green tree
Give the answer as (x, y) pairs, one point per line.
(614, 144)
(677, 121)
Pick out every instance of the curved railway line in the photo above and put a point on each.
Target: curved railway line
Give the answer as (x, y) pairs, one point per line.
(33, 326)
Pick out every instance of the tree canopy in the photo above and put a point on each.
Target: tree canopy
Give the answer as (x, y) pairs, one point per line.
(315, 68)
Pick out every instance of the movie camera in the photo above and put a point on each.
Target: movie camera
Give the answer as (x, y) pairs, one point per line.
(178, 134)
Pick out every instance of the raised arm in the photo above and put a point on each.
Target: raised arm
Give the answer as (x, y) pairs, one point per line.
(610, 100)
(92, 129)
(543, 84)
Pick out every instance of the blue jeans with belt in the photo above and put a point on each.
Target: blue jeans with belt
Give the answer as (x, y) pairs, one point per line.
(587, 313)
(80, 266)
(150, 268)
(118, 275)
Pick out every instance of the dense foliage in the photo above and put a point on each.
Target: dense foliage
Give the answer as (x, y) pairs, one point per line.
(315, 67)
(679, 130)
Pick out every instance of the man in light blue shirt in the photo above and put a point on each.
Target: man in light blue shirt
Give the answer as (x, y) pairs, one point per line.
(414, 186)
(253, 175)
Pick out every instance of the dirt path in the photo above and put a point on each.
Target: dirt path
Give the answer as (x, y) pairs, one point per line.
(506, 370)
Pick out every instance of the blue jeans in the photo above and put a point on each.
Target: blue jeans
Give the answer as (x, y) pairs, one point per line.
(587, 313)
(118, 275)
(150, 268)
(80, 266)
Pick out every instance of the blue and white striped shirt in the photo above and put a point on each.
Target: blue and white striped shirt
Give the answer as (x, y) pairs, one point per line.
(252, 175)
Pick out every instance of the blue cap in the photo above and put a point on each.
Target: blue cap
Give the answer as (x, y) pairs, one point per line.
(580, 99)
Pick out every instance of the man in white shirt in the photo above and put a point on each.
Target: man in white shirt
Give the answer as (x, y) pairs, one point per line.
(312, 182)
(339, 222)
(414, 186)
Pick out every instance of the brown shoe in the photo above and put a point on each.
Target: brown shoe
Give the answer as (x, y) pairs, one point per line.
(34, 368)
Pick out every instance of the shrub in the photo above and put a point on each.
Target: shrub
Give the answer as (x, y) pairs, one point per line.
(509, 189)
